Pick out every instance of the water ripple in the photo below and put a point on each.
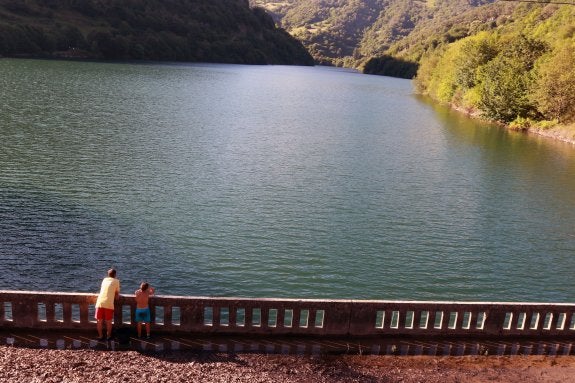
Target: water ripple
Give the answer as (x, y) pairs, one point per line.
(271, 181)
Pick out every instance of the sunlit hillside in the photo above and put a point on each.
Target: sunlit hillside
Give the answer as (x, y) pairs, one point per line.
(350, 32)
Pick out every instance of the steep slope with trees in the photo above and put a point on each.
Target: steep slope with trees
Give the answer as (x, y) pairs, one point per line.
(522, 72)
(351, 32)
(225, 31)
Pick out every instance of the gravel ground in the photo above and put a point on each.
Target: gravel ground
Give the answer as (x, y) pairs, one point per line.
(43, 365)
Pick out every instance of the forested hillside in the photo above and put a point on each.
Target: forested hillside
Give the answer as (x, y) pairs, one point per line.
(225, 31)
(521, 72)
(351, 32)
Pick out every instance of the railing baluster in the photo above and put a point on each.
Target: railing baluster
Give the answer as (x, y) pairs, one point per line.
(265, 317)
(248, 316)
(216, 315)
(67, 312)
(84, 314)
(167, 316)
(50, 312)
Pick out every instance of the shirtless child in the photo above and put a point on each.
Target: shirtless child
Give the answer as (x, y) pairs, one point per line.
(142, 308)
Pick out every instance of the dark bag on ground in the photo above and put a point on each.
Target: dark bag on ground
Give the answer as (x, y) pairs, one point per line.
(123, 335)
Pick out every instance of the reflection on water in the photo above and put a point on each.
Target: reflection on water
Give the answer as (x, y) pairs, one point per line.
(272, 181)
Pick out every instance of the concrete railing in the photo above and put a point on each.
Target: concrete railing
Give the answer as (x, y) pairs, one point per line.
(173, 314)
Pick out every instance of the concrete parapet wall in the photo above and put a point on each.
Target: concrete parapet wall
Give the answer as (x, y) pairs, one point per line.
(174, 314)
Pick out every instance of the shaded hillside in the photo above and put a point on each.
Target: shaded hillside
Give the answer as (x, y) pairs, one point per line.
(351, 32)
(226, 31)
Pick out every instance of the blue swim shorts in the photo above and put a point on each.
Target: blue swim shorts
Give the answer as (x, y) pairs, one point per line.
(143, 315)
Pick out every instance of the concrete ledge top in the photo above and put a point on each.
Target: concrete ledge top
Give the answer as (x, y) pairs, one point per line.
(307, 300)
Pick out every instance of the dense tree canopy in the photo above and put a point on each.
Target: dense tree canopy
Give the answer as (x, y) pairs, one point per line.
(521, 72)
(554, 90)
(390, 66)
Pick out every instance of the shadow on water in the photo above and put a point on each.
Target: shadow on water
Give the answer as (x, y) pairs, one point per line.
(501, 144)
(47, 239)
(513, 160)
(513, 186)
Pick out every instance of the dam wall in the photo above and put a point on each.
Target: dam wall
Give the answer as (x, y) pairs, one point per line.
(313, 317)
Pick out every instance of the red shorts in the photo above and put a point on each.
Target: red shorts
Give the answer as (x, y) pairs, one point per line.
(104, 314)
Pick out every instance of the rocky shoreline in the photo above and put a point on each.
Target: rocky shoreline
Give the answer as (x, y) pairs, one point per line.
(47, 365)
(564, 133)
(560, 133)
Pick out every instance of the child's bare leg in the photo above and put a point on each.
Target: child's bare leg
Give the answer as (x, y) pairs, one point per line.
(139, 327)
(109, 328)
(147, 329)
(99, 327)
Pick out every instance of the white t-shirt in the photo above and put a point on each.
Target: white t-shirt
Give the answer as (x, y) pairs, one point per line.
(108, 293)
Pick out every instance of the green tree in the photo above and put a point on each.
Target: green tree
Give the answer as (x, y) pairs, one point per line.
(503, 90)
(390, 66)
(474, 53)
(107, 45)
(554, 90)
(506, 80)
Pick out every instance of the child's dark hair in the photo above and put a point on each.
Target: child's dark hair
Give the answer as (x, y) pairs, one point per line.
(144, 286)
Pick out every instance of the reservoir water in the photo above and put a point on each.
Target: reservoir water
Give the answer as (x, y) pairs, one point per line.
(272, 181)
